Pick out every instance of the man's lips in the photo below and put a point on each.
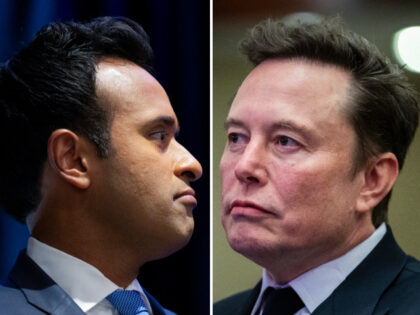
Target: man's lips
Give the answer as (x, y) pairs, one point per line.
(248, 208)
(186, 196)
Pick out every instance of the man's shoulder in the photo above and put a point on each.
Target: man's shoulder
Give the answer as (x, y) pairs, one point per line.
(408, 279)
(386, 282)
(231, 304)
(8, 292)
(13, 301)
(411, 268)
(403, 295)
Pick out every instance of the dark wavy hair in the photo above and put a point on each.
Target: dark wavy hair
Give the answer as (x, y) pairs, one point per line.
(50, 84)
(383, 109)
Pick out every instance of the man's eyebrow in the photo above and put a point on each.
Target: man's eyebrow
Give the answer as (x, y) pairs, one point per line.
(168, 121)
(281, 124)
(293, 126)
(233, 122)
(290, 125)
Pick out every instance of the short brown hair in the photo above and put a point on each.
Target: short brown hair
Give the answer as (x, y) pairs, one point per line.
(384, 110)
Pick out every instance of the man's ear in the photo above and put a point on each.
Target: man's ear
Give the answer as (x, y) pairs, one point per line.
(68, 157)
(380, 174)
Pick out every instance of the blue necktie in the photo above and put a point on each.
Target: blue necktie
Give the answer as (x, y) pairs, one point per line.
(128, 302)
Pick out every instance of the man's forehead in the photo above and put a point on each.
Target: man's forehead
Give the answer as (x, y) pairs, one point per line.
(299, 81)
(125, 87)
(276, 72)
(290, 95)
(114, 73)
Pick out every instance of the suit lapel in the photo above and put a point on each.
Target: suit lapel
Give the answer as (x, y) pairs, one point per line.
(40, 290)
(156, 307)
(360, 292)
(250, 300)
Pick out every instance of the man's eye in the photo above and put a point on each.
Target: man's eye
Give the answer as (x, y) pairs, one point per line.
(287, 141)
(236, 142)
(159, 135)
(235, 138)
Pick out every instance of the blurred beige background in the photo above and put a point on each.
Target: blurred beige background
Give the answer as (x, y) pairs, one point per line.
(377, 21)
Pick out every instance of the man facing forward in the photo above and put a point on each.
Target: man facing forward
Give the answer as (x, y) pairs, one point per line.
(89, 142)
(317, 134)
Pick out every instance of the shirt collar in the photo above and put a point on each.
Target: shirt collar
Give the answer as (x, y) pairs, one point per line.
(316, 285)
(85, 284)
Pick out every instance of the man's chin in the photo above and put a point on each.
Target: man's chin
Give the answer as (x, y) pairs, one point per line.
(176, 241)
(184, 238)
(255, 247)
(247, 246)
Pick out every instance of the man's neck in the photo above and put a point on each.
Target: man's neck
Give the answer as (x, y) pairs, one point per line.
(89, 243)
(288, 266)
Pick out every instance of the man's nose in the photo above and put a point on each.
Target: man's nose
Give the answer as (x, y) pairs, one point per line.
(250, 167)
(186, 165)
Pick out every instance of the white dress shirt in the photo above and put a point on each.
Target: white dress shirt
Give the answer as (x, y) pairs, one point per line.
(316, 285)
(85, 284)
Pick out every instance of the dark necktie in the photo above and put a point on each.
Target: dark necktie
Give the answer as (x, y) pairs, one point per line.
(281, 302)
(128, 302)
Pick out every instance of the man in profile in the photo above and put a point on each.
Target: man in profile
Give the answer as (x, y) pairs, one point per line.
(91, 162)
(317, 134)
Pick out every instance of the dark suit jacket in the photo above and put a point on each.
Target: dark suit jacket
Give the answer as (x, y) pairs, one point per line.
(386, 282)
(30, 291)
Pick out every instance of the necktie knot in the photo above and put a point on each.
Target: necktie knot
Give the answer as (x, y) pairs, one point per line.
(281, 302)
(128, 302)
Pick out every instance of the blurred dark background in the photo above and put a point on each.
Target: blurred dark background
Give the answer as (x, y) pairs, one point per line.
(179, 33)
